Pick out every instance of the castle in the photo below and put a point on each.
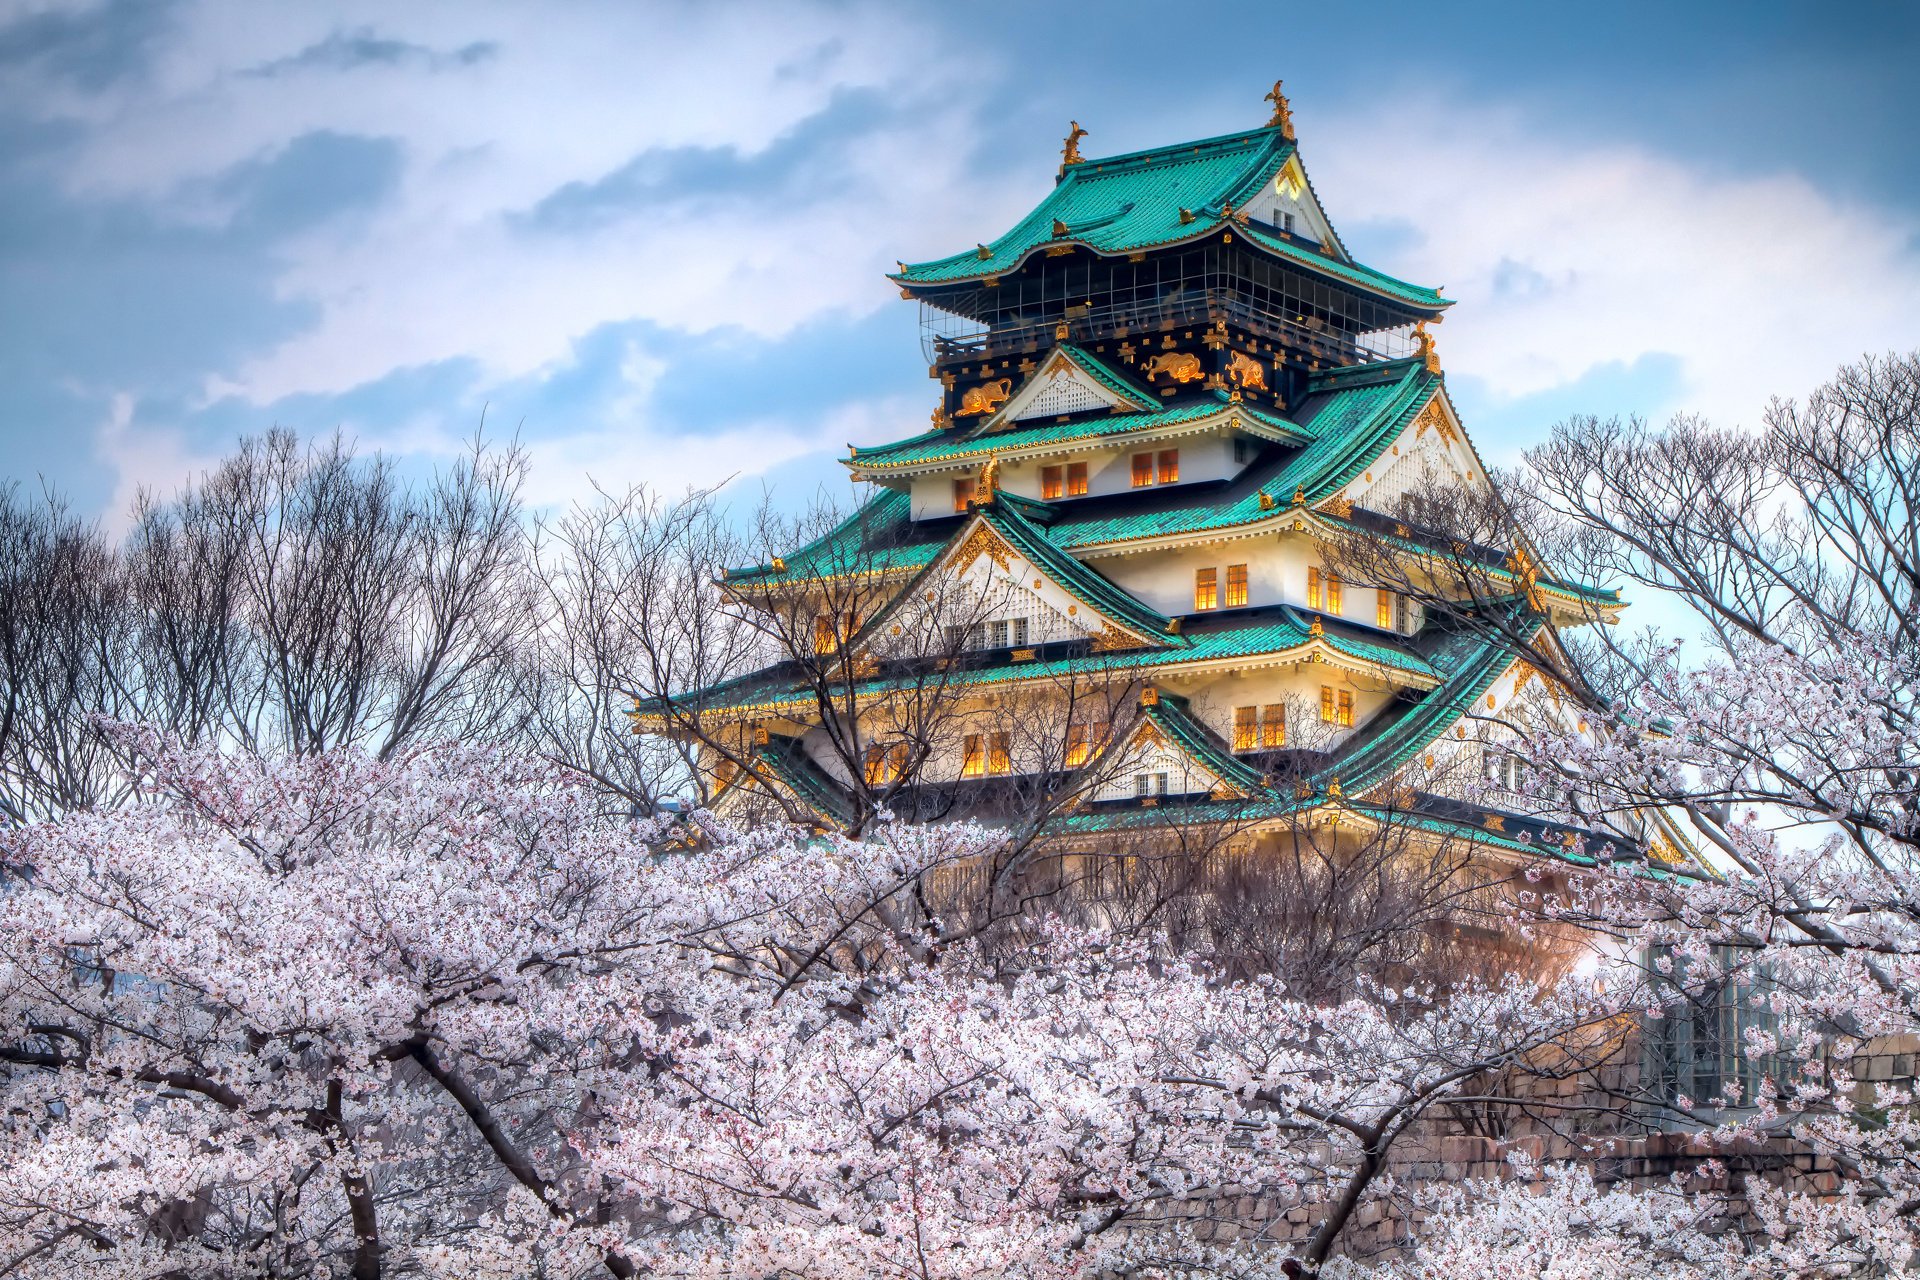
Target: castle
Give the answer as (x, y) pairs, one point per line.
(1105, 587)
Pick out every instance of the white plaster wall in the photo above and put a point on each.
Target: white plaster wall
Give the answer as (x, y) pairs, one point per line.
(1277, 573)
(1109, 471)
(1213, 697)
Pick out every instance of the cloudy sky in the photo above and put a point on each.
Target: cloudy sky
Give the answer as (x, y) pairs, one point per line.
(650, 238)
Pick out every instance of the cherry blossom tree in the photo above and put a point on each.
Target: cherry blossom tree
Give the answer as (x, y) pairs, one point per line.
(441, 1014)
(297, 1010)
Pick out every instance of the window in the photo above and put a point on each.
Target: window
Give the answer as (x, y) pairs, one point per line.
(1406, 616)
(1699, 1048)
(1286, 222)
(962, 494)
(1000, 752)
(973, 760)
(1242, 451)
(1076, 479)
(1246, 728)
(1323, 590)
(1052, 482)
(1336, 706)
(885, 762)
(1273, 725)
(1156, 468)
(1080, 742)
(824, 639)
(1206, 588)
(1260, 727)
(1502, 770)
(1236, 585)
(1005, 633)
(1383, 613)
(1149, 785)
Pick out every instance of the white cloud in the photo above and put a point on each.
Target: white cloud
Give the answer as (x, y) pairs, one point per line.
(565, 468)
(1568, 257)
(560, 97)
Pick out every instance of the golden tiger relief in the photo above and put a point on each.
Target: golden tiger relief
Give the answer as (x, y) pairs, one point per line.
(984, 398)
(1177, 365)
(1246, 371)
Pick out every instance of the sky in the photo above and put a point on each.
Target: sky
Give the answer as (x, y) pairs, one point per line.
(649, 240)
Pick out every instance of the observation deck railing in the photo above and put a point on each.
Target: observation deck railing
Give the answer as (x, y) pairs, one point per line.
(1313, 339)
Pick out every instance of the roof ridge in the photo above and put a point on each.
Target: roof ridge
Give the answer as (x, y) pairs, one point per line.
(1145, 155)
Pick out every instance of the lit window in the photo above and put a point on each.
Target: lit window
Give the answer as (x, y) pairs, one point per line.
(1323, 590)
(1052, 482)
(1206, 588)
(1169, 465)
(1383, 609)
(1080, 742)
(885, 763)
(973, 760)
(1273, 725)
(1076, 479)
(824, 640)
(1000, 753)
(1142, 470)
(1336, 706)
(1246, 728)
(1346, 708)
(962, 494)
(1236, 585)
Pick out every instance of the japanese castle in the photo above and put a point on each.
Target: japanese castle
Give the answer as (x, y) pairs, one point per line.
(1166, 395)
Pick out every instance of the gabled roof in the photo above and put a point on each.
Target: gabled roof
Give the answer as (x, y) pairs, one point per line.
(1170, 715)
(1472, 664)
(786, 762)
(1085, 584)
(1117, 389)
(1127, 203)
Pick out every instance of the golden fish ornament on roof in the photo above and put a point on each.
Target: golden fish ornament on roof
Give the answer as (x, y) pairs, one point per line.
(1282, 112)
(1070, 148)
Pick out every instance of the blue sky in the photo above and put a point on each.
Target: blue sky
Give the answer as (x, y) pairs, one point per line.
(651, 238)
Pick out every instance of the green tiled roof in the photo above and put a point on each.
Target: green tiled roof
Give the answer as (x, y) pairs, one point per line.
(1123, 204)
(1087, 584)
(1257, 633)
(786, 762)
(879, 536)
(1471, 663)
(1348, 424)
(962, 443)
(1349, 427)
(1349, 417)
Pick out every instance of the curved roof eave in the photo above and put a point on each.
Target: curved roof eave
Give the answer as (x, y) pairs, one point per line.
(1354, 274)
